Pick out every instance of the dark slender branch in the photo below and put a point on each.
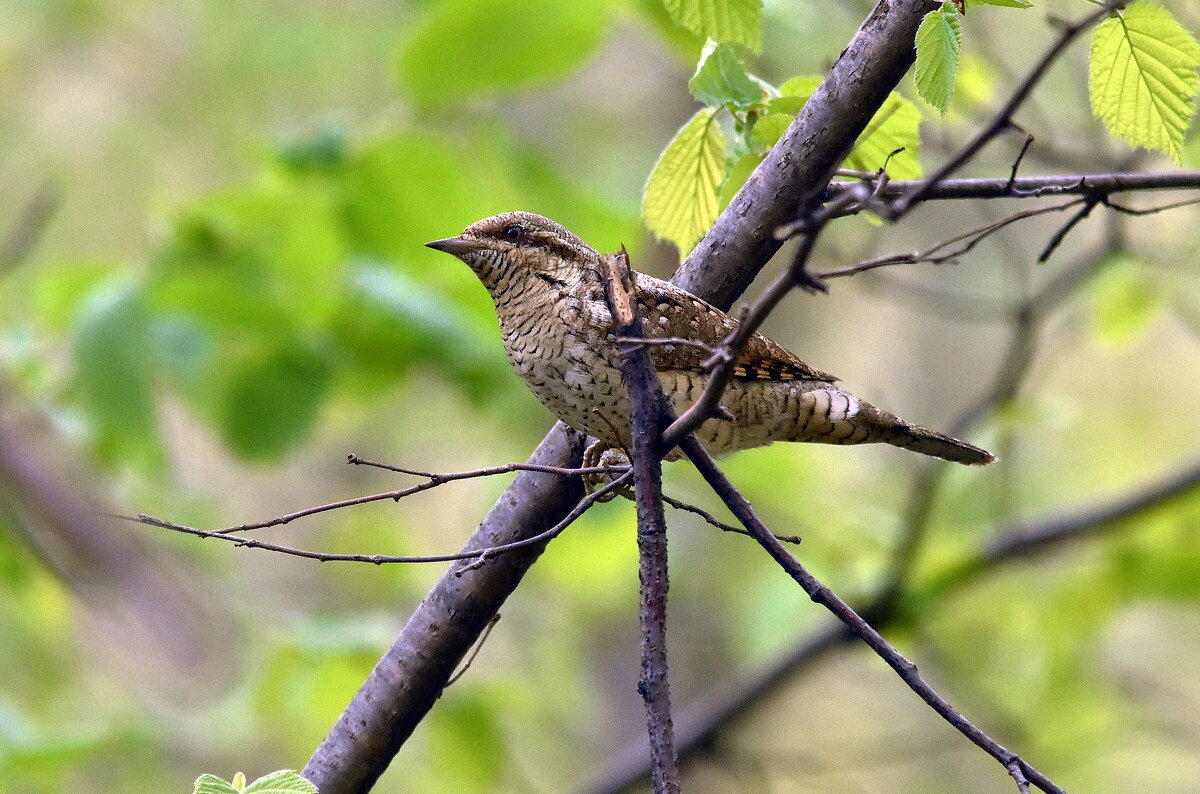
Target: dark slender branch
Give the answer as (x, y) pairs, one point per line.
(1032, 186)
(28, 227)
(646, 411)
(821, 594)
(466, 665)
(1003, 119)
(1021, 541)
(934, 254)
(702, 721)
(1056, 240)
(505, 468)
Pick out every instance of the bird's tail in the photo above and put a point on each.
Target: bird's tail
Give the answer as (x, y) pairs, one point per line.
(828, 415)
(938, 445)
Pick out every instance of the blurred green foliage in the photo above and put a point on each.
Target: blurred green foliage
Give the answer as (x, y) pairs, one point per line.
(234, 294)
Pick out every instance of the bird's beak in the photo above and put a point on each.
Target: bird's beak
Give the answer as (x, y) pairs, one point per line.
(456, 246)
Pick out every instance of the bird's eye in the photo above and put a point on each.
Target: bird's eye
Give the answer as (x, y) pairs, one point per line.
(514, 232)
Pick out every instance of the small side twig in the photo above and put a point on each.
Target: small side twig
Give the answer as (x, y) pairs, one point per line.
(384, 559)
(721, 525)
(433, 481)
(466, 665)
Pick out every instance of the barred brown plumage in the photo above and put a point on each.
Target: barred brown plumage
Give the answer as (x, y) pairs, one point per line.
(548, 289)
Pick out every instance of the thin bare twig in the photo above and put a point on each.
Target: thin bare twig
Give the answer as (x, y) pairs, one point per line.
(1003, 119)
(384, 559)
(661, 341)
(1033, 186)
(27, 228)
(433, 481)
(932, 254)
(721, 525)
(466, 665)
(721, 364)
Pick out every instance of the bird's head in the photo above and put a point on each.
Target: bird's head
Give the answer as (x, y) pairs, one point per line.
(519, 245)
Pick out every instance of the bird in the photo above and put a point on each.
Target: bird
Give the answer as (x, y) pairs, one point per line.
(548, 287)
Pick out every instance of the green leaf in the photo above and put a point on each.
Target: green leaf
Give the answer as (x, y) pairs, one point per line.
(211, 784)
(770, 128)
(465, 48)
(113, 370)
(272, 401)
(680, 201)
(732, 21)
(323, 149)
(1142, 77)
(896, 125)
(284, 781)
(721, 78)
(939, 42)
(801, 87)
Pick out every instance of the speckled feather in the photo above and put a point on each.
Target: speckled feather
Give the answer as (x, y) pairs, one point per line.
(548, 289)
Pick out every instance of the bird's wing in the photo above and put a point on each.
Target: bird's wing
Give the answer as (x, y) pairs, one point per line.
(668, 311)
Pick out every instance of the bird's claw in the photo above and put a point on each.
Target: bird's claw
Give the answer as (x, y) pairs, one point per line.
(600, 454)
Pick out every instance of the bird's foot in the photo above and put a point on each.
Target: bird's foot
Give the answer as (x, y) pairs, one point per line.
(600, 454)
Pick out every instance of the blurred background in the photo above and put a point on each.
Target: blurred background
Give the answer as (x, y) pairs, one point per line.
(213, 288)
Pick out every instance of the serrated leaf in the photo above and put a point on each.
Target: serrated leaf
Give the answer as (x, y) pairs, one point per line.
(284, 781)
(465, 48)
(680, 202)
(895, 126)
(272, 401)
(732, 21)
(1142, 77)
(211, 784)
(721, 78)
(939, 43)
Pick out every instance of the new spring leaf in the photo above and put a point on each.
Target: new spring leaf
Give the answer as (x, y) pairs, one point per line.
(1142, 77)
(939, 42)
(680, 202)
(731, 21)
